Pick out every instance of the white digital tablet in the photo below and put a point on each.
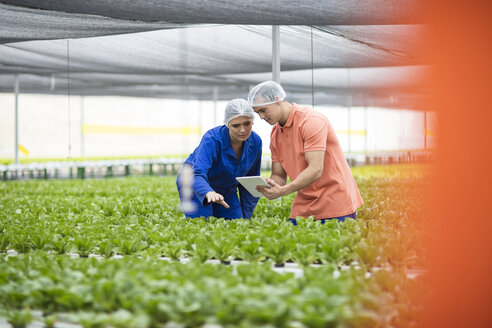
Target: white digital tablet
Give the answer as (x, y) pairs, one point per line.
(250, 184)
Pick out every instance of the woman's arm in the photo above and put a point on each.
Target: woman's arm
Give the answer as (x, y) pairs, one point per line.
(205, 157)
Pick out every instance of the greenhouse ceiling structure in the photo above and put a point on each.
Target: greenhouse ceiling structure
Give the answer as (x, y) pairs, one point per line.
(332, 52)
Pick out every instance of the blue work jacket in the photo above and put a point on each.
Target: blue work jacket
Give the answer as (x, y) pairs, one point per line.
(216, 167)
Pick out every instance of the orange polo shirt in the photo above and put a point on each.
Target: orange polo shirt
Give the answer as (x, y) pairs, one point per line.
(335, 193)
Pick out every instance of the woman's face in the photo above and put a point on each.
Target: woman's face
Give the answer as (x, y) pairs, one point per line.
(240, 128)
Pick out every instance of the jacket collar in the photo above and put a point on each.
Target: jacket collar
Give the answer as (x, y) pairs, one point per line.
(226, 142)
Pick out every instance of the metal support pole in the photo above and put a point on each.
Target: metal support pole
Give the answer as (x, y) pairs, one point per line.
(349, 130)
(425, 130)
(276, 60)
(312, 68)
(402, 130)
(200, 118)
(349, 119)
(16, 90)
(216, 98)
(82, 141)
(365, 130)
(276, 53)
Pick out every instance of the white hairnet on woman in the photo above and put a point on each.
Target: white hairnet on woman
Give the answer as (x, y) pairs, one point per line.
(266, 93)
(237, 108)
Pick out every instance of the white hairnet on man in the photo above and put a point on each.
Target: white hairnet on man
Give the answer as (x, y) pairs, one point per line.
(266, 93)
(237, 108)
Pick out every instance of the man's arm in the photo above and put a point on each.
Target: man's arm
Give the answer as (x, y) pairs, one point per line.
(310, 174)
(278, 174)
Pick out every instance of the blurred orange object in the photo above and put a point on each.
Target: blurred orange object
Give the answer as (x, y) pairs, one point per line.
(459, 46)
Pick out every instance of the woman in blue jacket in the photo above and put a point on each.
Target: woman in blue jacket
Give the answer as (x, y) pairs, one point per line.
(224, 153)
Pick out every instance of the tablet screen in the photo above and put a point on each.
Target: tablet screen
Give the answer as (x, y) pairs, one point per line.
(250, 184)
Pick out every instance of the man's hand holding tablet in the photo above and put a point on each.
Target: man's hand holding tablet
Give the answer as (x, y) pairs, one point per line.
(252, 183)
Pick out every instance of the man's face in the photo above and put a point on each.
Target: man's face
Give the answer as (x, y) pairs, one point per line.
(269, 113)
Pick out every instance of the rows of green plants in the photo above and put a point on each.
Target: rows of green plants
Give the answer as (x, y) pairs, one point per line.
(155, 291)
(140, 219)
(141, 216)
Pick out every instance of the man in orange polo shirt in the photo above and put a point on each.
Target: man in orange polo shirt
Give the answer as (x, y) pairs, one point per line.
(305, 148)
